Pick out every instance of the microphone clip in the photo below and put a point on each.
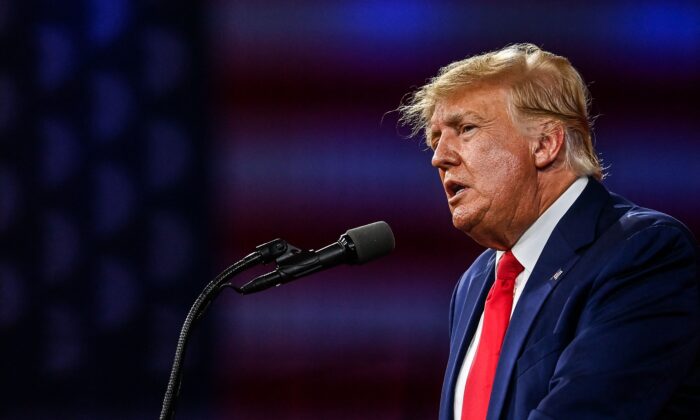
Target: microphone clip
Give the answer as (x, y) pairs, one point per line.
(282, 253)
(277, 250)
(291, 262)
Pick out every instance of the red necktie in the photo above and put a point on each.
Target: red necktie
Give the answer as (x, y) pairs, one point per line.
(499, 303)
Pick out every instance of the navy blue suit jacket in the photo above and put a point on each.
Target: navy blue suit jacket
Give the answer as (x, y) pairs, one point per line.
(608, 325)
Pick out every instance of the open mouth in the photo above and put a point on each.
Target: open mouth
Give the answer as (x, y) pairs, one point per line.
(454, 188)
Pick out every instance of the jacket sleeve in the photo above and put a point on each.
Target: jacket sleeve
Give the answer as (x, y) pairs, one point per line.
(638, 335)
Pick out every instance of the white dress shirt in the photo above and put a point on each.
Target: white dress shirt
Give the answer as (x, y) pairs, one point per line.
(527, 250)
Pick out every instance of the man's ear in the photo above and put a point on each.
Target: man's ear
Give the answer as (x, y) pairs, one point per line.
(548, 143)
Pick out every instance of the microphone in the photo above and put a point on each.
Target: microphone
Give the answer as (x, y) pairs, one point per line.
(356, 246)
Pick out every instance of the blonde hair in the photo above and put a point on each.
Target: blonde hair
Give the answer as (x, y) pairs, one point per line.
(541, 84)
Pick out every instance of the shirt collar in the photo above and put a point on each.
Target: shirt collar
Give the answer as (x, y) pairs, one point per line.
(530, 245)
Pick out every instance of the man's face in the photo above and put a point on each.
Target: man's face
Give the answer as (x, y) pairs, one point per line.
(485, 164)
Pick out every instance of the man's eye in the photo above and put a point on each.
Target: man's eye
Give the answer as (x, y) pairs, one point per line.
(467, 128)
(434, 140)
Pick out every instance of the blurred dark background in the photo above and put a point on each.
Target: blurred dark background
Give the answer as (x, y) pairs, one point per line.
(145, 145)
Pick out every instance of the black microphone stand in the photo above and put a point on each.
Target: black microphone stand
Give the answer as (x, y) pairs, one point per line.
(263, 254)
(356, 246)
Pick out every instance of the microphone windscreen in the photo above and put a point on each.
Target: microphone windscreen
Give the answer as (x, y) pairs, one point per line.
(372, 241)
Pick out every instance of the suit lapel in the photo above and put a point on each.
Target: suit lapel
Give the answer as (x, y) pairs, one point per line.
(545, 276)
(575, 230)
(467, 314)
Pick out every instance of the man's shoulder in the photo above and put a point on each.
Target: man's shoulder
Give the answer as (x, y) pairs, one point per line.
(644, 239)
(637, 219)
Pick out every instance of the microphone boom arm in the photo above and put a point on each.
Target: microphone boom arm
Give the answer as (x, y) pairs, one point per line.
(263, 254)
(356, 246)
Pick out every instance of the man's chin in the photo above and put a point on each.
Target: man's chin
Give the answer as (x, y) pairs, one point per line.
(465, 224)
(476, 231)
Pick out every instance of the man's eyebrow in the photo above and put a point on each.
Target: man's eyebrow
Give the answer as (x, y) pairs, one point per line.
(456, 119)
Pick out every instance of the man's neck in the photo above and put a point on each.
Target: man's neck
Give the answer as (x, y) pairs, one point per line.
(550, 186)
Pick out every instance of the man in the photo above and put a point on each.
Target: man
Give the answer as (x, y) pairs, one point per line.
(585, 305)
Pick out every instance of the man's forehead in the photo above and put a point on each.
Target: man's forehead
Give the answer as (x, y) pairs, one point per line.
(472, 102)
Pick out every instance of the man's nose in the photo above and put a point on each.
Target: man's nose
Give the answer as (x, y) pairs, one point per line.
(444, 155)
